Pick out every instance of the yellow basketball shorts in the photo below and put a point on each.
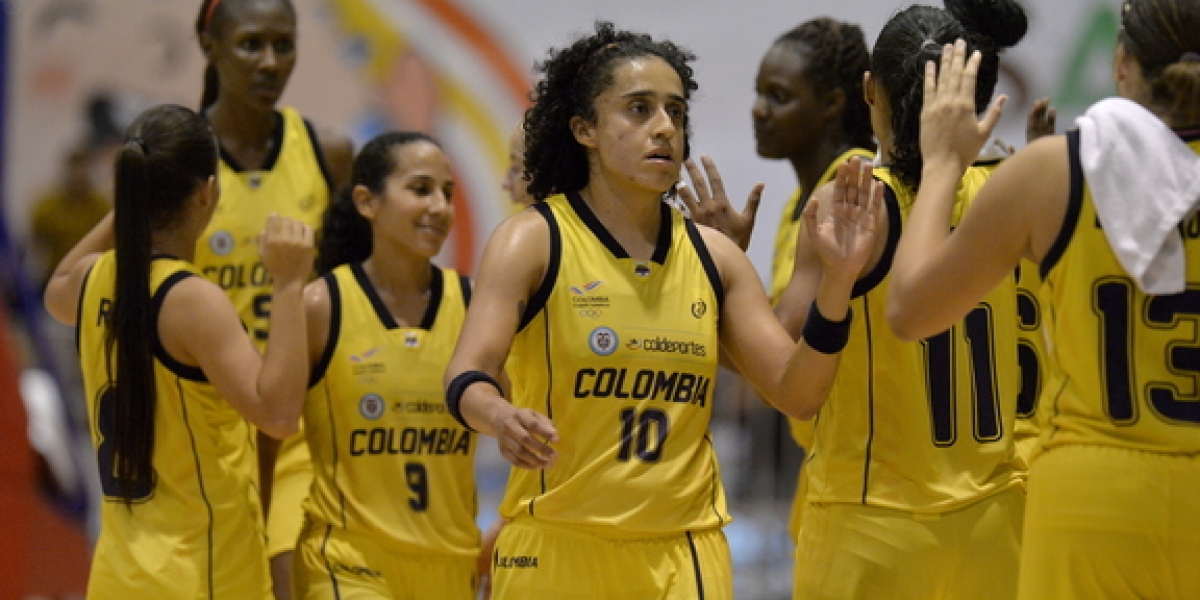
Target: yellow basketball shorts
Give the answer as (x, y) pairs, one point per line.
(293, 480)
(853, 551)
(537, 560)
(1113, 523)
(333, 563)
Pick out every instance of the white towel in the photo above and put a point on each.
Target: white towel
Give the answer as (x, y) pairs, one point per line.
(1144, 180)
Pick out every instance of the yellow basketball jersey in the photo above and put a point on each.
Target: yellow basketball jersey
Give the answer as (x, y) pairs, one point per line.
(621, 354)
(388, 460)
(197, 532)
(919, 426)
(1126, 363)
(294, 184)
(1031, 352)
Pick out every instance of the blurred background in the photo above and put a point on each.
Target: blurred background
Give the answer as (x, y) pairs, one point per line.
(75, 72)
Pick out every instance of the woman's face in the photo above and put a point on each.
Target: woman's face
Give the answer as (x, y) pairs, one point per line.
(788, 119)
(254, 52)
(637, 142)
(414, 213)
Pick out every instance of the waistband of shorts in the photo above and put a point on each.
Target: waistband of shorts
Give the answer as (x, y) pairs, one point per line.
(588, 531)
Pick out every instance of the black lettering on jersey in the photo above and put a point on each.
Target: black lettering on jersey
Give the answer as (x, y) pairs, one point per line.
(410, 440)
(236, 276)
(668, 386)
(516, 562)
(1190, 227)
(102, 314)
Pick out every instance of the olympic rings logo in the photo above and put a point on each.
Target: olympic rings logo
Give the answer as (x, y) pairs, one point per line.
(590, 313)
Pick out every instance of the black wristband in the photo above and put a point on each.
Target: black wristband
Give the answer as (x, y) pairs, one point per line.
(823, 335)
(458, 386)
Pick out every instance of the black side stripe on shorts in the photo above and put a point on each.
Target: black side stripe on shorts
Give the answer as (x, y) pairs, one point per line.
(696, 566)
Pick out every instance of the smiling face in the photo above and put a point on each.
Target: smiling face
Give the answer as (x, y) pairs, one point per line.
(788, 119)
(254, 51)
(414, 213)
(637, 143)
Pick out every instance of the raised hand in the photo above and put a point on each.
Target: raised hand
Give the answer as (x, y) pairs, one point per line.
(1041, 120)
(842, 225)
(950, 133)
(287, 249)
(708, 204)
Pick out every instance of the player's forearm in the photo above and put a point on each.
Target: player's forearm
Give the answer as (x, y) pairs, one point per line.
(283, 381)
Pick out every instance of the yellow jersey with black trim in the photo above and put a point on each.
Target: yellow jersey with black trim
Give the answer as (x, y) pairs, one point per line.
(294, 183)
(783, 262)
(388, 459)
(197, 530)
(1031, 353)
(919, 426)
(621, 354)
(1126, 364)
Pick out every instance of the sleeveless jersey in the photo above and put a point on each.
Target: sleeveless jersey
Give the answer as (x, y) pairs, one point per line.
(621, 355)
(1031, 353)
(783, 262)
(919, 426)
(295, 184)
(388, 460)
(197, 532)
(1126, 369)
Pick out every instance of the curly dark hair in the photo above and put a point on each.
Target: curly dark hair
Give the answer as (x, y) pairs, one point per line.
(572, 79)
(915, 36)
(837, 57)
(345, 234)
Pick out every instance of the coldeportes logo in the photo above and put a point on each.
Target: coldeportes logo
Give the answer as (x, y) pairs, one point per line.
(664, 344)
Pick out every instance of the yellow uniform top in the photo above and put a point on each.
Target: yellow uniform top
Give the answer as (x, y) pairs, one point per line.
(388, 460)
(1031, 352)
(197, 532)
(1126, 364)
(919, 426)
(783, 262)
(621, 354)
(294, 184)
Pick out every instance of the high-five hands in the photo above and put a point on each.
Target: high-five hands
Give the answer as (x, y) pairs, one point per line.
(708, 204)
(950, 133)
(842, 226)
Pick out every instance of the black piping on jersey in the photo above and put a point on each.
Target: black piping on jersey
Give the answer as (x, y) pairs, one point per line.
(277, 127)
(870, 399)
(160, 352)
(381, 310)
(716, 480)
(696, 566)
(79, 310)
(464, 283)
(538, 301)
(337, 592)
(884, 266)
(320, 156)
(710, 266)
(335, 330)
(183, 407)
(1074, 206)
(661, 246)
(549, 399)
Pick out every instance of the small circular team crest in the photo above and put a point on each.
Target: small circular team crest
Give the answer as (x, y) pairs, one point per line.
(371, 406)
(221, 243)
(603, 341)
(699, 307)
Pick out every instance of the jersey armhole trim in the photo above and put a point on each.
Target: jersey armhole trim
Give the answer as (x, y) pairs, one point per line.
(464, 283)
(537, 302)
(181, 370)
(320, 155)
(706, 259)
(884, 266)
(1074, 207)
(335, 330)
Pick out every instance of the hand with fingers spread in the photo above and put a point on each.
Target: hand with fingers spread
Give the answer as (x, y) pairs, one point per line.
(708, 203)
(950, 133)
(843, 232)
(1041, 120)
(287, 249)
(524, 437)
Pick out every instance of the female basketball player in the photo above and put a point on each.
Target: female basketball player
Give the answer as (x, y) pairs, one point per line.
(383, 321)
(913, 487)
(272, 160)
(1109, 213)
(608, 307)
(171, 376)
